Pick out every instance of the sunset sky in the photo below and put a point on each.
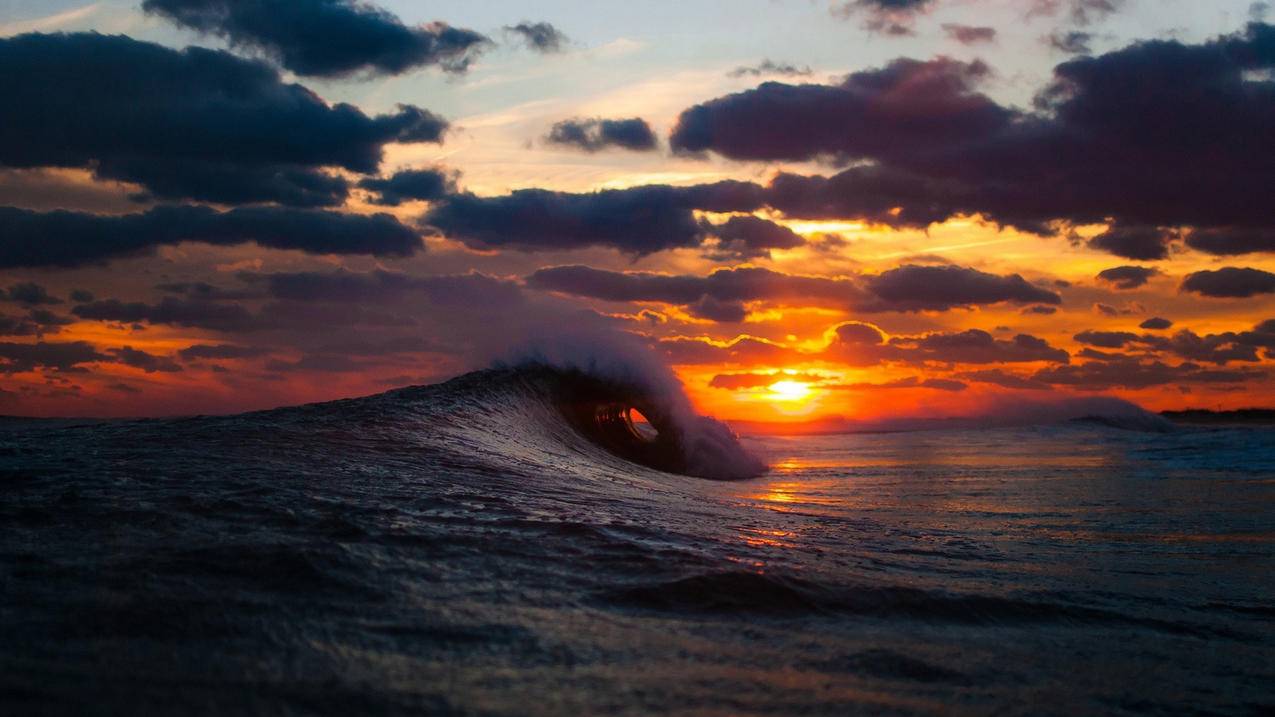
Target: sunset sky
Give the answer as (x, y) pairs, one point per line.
(867, 209)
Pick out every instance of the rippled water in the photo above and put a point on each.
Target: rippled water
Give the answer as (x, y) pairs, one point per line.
(462, 550)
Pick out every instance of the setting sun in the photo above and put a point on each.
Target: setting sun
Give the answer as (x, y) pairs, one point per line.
(789, 391)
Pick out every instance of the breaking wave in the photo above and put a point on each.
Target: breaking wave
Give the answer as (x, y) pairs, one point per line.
(544, 408)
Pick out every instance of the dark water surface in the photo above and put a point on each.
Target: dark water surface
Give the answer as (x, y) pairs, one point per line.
(463, 550)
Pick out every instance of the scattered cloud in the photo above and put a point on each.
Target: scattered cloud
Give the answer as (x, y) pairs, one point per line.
(187, 124)
(596, 134)
(1127, 277)
(29, 293)
(1111, 136)
(970, 34)
(1072, 42)
(69, 239)
(150, 363)
(326, 38)
(1232, 241)
(886, 17)
(538, 219)
(907, 288)
(1230, 283)
(768, 67)
(747, 237)
(410, 185)
(539, 36)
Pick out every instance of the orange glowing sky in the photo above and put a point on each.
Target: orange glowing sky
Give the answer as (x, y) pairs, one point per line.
(837, 316)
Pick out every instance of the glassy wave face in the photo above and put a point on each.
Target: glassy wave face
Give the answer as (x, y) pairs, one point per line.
(521, 542)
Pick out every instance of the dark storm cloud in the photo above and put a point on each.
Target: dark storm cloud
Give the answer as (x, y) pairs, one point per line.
(380, 286)
(969, 34)
(539, 36)
(1211, 348)
(877, 194)
(37, 322)
(747, 236)
(1113, 139)
(65, 356)
(906, 108)
(641, 220)
(857, 333)
(1135, 374)
(939, 288)
(596, 134)
(859, 344)
(1127, 277)
(200, 290)
(1217, 349)
(974, 346)
(196, 123)
(769, 67)
(1230, 283)
(724, 312)
(48, 320)
(907, 288)
(68, 239)
(29, 294)
(227, 182)
(1227, 241)
(17, 326)
(1040, 310)
(1143, 243)
(326, 38)
(1106, 339)
(342, 313)
(1156, 324)
(1088, 353)
(887, 17)
(632, 286)
(1262, 335)
(410, 185)
(172, 311)
(148, 362)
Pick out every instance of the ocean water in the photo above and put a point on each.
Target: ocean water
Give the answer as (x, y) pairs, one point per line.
(476, 549)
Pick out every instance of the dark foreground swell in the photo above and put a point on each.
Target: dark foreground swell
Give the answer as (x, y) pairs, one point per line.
(480, 548)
